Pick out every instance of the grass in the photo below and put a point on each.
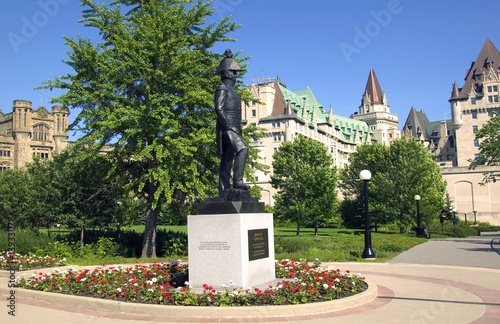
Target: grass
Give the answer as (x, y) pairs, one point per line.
(331, 244)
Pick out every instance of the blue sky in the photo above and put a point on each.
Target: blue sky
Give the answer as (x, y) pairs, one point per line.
(417, 48)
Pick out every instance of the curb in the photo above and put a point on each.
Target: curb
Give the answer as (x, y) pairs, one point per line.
(200, 311)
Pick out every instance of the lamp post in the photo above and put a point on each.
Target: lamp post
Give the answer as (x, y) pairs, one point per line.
(475, 212)
(454, 222)
(465, 214)
(368, 252)
(419, 229)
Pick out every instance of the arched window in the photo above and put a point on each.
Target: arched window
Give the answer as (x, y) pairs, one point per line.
(40, 133)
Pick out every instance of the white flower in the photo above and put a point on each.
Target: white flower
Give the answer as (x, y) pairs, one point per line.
(150, 290)
(231, 283)
(154, 279)
(235, 293)
(325, 286)
(337, 280)
(280, 286)
(303, 284)
(48, 274)
(186, 283)
(149, 282)
(119, 290)
(353, 283)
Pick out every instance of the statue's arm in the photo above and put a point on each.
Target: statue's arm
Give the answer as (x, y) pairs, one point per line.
(220, 100)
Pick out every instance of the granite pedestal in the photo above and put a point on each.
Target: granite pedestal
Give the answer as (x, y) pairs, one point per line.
(230, 243)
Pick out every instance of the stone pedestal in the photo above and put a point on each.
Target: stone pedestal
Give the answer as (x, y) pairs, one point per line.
(234, 246)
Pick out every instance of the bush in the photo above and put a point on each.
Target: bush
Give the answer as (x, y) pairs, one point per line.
(26, 241)
(128, 243)
(448, 229)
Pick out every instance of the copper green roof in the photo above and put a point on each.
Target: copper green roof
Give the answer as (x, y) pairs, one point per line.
(349, 129)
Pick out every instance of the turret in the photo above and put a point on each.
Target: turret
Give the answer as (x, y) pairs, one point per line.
(456, 114)
(21, 115)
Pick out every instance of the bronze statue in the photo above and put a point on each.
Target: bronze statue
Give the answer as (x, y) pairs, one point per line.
(231, 147)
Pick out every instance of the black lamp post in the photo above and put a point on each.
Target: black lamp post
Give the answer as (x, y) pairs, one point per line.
(475, 212)
(368, 252)
(454, 222)
(419, 229)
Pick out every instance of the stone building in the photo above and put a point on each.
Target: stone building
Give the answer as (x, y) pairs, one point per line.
(26, 132)
(376, 112)
(285, 114)
(453, 142)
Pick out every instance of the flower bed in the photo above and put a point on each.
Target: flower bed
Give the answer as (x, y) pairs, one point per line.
(302, 282)
(27, 262)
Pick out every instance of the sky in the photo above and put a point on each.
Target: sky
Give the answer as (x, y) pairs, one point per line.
(417, 48)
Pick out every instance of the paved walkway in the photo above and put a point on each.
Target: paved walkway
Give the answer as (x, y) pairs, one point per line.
(441, 281)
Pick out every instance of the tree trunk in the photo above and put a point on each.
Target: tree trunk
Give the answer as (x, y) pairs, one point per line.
(149, 239)
(82, 231)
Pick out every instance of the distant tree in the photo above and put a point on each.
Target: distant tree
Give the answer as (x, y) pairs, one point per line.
(146, 91)
(15, 203)
(489, 148)
(305, 181)
(90, 196)
(399, 172)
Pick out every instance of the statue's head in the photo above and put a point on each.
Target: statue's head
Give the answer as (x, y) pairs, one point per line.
(228, 67)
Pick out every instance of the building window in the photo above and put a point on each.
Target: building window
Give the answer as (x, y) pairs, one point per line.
(474, 114)
(474, 128)
(5, 153)
(40, 133)
(473, 101)
(489, 89)
(492, 99)
(495, 88)
(476, 143)
(254, 113)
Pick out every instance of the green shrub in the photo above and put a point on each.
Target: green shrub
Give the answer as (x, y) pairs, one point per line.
(487, 228)
(175, 246)
(26, 241)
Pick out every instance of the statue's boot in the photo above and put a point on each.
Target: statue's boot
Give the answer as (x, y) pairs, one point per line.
(239, 168)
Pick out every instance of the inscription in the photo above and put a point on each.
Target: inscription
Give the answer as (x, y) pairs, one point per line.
(258, 244)
(214, 245)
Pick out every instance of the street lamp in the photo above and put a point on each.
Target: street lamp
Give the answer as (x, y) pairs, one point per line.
(475, 212)
(465, 214)
(454, 222)
(419, 229)
(368, 252)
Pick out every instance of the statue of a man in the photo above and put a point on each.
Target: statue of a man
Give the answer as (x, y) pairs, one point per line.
(230, 145)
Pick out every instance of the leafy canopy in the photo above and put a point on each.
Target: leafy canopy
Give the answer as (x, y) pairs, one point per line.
(305, 180)
(145, 94)
(399, 172)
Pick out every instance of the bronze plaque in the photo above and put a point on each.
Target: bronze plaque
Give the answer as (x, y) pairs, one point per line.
(258, 244)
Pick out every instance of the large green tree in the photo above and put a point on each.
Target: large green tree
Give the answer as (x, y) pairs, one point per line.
(305, 181)
(146, 91)
(15, 203)
(399, 173)
(489, 148)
